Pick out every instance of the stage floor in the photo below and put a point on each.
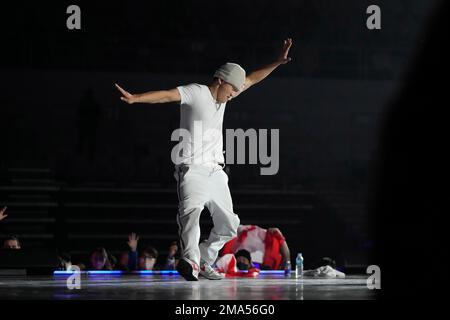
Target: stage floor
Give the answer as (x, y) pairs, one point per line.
(173, 287)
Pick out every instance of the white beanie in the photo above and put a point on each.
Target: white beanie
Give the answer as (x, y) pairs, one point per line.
(232, 73)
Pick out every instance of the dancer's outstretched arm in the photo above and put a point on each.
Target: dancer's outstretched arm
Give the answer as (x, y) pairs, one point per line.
(261, 73)
(161, 96)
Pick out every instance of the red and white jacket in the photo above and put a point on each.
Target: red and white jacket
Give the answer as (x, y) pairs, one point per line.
(264, 248)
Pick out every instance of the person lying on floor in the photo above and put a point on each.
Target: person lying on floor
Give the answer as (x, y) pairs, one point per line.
(236, 264)
(268, 248)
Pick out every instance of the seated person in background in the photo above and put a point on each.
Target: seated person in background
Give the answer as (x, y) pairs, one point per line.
(99, 260)
(2, 215)
(172, 257)
(112, 261)
(11, 243)
(133, 260)
(64, 261)
(128, 259)
(123, 262)
(268, 248)
(147, 258)
(325, 261)
(325, 267)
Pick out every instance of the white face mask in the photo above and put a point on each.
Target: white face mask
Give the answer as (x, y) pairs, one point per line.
(149, 263)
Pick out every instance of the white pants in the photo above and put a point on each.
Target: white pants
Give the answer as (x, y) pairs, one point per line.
(199, 186)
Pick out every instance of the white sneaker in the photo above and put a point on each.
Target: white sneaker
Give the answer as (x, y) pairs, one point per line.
(209, 273)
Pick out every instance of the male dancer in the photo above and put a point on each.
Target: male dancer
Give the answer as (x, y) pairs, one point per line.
(200, 179)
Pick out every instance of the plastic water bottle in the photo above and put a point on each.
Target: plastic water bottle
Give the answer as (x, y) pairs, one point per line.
(287, 269)
(299, 266)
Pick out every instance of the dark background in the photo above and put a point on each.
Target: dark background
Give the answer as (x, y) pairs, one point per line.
(79, 168)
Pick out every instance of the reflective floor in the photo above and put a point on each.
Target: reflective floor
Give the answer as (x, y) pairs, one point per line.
(173, 287)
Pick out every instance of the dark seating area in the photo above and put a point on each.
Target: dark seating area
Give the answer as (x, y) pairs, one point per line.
(47, 213)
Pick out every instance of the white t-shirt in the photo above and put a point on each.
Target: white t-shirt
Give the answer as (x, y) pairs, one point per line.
(202, 117)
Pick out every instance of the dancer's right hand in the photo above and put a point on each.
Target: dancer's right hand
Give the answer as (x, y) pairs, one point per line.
(133, 241)
(126, 96)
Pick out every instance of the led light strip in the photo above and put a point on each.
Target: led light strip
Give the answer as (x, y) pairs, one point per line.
(162, 272)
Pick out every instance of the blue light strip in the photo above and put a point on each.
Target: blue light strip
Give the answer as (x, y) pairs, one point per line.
(148, 272)
(105, 272)
(265, 271)
(156, 272)
(58, 272)
(111, 272)
(272, 271)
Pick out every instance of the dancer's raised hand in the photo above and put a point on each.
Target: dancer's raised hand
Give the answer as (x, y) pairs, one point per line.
(283, 57)
(126, 96)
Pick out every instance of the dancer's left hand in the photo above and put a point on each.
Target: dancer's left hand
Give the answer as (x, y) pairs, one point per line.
(283, 57)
